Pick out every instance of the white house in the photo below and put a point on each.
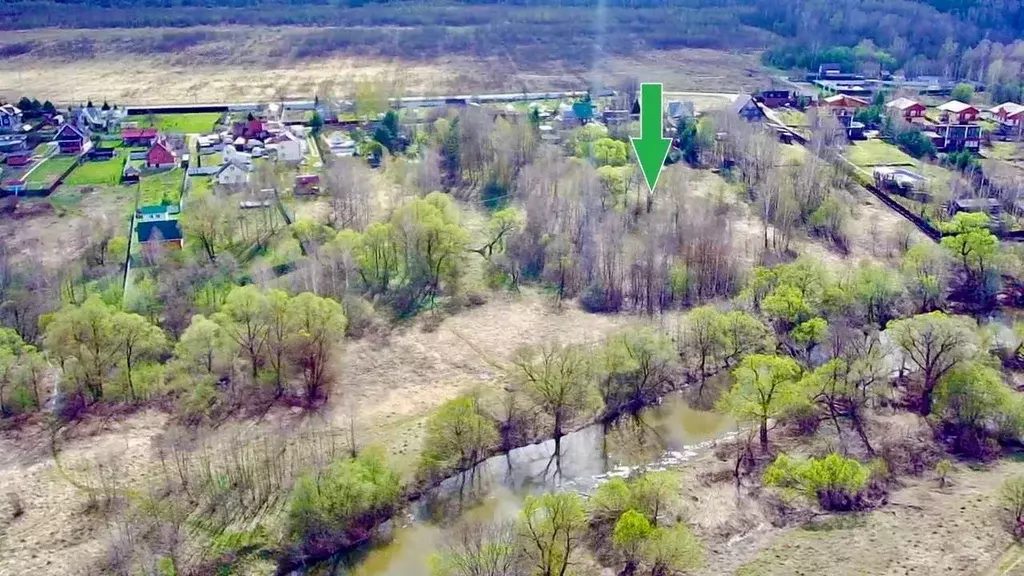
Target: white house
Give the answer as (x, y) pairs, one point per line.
(10, 119)
(231, 155)
(289, 147)
(232, 174)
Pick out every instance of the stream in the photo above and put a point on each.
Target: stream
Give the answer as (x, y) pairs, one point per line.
(659, 437)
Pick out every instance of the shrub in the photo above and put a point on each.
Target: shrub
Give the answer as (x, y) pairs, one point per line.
(458, 436)
(943, 469)
(1012, 500)
(340, 506)
(835, 481)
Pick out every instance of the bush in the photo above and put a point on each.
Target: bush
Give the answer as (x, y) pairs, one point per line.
(458, 436)
(1012, 500)
(834, 481)
(339, 507)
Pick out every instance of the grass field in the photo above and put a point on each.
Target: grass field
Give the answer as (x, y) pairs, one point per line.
(1004, 151)
(161, 188)
(200, 184)
(877, 153)
(49, 170)
(794, 118)
(198, 123)
(106, 172)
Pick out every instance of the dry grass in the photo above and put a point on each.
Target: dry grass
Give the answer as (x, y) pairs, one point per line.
(244, 70)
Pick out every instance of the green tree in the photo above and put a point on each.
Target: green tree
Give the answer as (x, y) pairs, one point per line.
(672, 550)
(787, 304)
(630, 533)
(316, 123)
(973, 245)
(924, 267)
(765, 386)
(138, 340)
(480, 550)
(451, 155)
(280, 323)
(963, 92)
(458, 436)
(559, 380)
(83, 341)
(334, 508)
(834, 482)
(203, 346)
(608, 152)
(935, 343)
(244, 318)
(319, 330)
(21, 371)
(705, 340)
(552, 526)
(636, 362)
(877, 290)
(971, 394)
(432, 242)
(809, 334)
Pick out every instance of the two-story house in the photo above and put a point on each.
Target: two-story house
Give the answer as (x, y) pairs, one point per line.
(957, 128)
(907, 108)
(70, 139)
(10, 119)
(844, 105)
(1009, 114)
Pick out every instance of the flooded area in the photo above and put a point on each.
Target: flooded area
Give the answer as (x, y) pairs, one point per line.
(660, 437)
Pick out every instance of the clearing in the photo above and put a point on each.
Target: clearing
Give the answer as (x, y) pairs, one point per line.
(161, 188)
(98, 173)
(196, 123)
(866, 153)
(45, 173)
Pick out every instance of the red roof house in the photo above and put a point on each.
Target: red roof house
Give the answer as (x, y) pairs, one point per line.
(250, 130)
(956, 112)
(19, 160)
(908, 108)
(138, 136)
(1009, 113)
(70, 140)
(307, 184)
(160, 156)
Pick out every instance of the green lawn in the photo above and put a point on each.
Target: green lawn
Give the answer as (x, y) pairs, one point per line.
(106, 172)
(200, 185)
(197, 123)
(207, 160)
(161, 188)
(1004, 151)
(794, 118)
(877, 153)
(48, 171)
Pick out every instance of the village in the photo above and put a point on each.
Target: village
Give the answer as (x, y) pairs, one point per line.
(920, 151)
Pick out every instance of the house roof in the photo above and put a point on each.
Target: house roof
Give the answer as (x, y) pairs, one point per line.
(230, 164)
(162, 229)
(844, 99)
(956, 107)
(1011, 108)
(138, 133)
(161, 151)
(131, 169)
(741, 102)
(678, 109)
(153, 209)
(10, 109)
(74, 132)
(977, 203)
(307, 179)
(903, 104)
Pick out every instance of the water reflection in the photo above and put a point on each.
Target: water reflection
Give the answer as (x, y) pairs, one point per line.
(659, 436)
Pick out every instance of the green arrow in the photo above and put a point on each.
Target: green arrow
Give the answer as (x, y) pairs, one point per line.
(651, 147)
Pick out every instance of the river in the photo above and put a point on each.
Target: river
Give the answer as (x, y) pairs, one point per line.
(661, 436)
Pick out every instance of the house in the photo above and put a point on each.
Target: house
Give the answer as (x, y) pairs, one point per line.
(957, 112)
(10, 119)
(160, 155)
(288, 147)
(250, 129)
(160, 232)
(307, 185)
(844, 105)
(902, 181)
(907, 108)
(1008, 114)
(97, 153)
(615, 117)
(18, 159)
(130, 174)
(829, 70)
(232, 155)
(13, 143)
(340, 144)
(954, 137)
(990, 206)
(747, 108)
(70, 139)
(156, 212)
(677, 110)
(232, 174)
(583, 110)
(15, 186)
(139, 136)
(775, 98)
